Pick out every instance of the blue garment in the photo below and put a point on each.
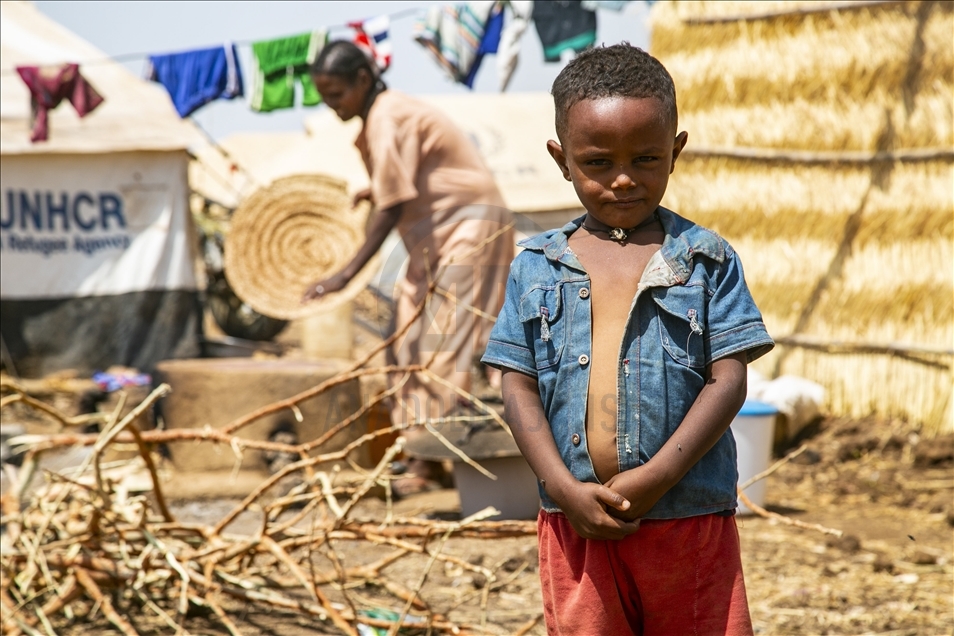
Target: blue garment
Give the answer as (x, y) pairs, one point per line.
(488, 43)
(693, 307)
(491, 39)
(195, 78)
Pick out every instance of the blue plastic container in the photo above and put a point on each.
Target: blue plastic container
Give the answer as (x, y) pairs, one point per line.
(754, 432)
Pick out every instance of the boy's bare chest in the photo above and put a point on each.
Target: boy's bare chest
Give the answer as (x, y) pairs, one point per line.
(615, 271)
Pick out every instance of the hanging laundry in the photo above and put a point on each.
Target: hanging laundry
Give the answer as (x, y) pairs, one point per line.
(612, 5)
(50, 85)
(491, 40)
(489, 43)
(195, 78)
(454, 34)
(277, 66)
(372, 36)
(508, 51)
(563, 25)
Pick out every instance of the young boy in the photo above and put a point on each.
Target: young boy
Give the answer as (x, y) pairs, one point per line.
(624, 340)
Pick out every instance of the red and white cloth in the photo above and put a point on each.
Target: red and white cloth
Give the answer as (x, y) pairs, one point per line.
(372, 36)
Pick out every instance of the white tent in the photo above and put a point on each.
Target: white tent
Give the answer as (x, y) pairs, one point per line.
(96, 265)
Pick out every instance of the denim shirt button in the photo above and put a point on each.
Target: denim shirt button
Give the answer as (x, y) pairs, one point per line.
(584, 292)
(575, 439)
(584, 360)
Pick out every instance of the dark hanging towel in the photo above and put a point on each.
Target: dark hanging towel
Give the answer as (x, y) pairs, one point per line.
(563, 25)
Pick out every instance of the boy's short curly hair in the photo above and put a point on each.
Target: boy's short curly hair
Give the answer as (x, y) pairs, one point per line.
(620, 70)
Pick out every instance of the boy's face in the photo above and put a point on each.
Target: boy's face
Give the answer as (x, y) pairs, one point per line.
(619, 153)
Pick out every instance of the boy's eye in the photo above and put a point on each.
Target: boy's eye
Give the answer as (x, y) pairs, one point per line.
(645, 159)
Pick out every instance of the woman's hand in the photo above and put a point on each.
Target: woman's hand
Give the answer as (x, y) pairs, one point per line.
(362, 195)
(326, 286)
(380, 225)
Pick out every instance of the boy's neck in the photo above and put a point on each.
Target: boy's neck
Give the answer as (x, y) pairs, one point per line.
(618, 234)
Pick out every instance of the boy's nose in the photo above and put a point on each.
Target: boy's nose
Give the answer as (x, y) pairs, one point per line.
(623, 180)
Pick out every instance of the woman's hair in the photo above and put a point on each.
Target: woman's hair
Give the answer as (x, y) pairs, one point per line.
(345, 59)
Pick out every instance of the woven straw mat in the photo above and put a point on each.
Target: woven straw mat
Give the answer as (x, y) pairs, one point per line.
(290, 234)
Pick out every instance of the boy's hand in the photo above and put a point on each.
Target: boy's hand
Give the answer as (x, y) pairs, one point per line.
(584, 504)
(711, 414)
(639, 487)
(586, 507)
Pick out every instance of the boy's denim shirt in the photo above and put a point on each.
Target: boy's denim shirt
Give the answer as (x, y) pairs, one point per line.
(692, 307)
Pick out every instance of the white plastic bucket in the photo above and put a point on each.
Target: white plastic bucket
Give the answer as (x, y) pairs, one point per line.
(514, 492)
(754, 431)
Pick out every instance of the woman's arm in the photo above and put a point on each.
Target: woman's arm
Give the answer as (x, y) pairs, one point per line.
(381, 225)
(707, 420)
(584, 504)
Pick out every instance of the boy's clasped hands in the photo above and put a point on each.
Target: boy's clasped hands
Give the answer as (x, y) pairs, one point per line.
(611, 510)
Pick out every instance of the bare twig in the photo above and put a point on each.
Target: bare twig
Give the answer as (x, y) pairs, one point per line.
(469, 397)
(526, 627)
(771, 469)
(477, 516)
(22, 396)
(461, 454)
(84, 579)
(229, 625)
(762, 512)
(370, 480)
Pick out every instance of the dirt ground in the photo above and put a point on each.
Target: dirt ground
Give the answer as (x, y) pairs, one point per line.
(888, 489)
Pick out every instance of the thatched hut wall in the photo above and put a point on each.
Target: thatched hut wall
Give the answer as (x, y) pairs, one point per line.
(821, 145)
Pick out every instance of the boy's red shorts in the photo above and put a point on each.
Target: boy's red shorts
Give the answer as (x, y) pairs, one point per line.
(670, 578)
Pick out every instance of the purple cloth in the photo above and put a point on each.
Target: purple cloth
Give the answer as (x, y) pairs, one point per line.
(50, 85)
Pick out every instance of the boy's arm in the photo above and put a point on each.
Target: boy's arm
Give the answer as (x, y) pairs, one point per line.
(707, 420)
(584, 504)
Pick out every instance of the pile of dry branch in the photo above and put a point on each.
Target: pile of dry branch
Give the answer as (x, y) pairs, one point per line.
(82, 545)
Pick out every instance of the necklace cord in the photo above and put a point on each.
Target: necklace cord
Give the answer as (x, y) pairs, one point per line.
(620, 234)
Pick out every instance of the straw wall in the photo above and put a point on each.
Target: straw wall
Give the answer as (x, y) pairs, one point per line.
(821, 145)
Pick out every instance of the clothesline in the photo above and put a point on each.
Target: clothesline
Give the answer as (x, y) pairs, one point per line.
(127, 57)
(457, 36)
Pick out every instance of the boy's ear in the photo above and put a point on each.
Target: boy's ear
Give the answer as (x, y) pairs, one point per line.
(556, 151)
(677, 147)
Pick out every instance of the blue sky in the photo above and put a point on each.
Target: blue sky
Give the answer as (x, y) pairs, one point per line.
(122, 28)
